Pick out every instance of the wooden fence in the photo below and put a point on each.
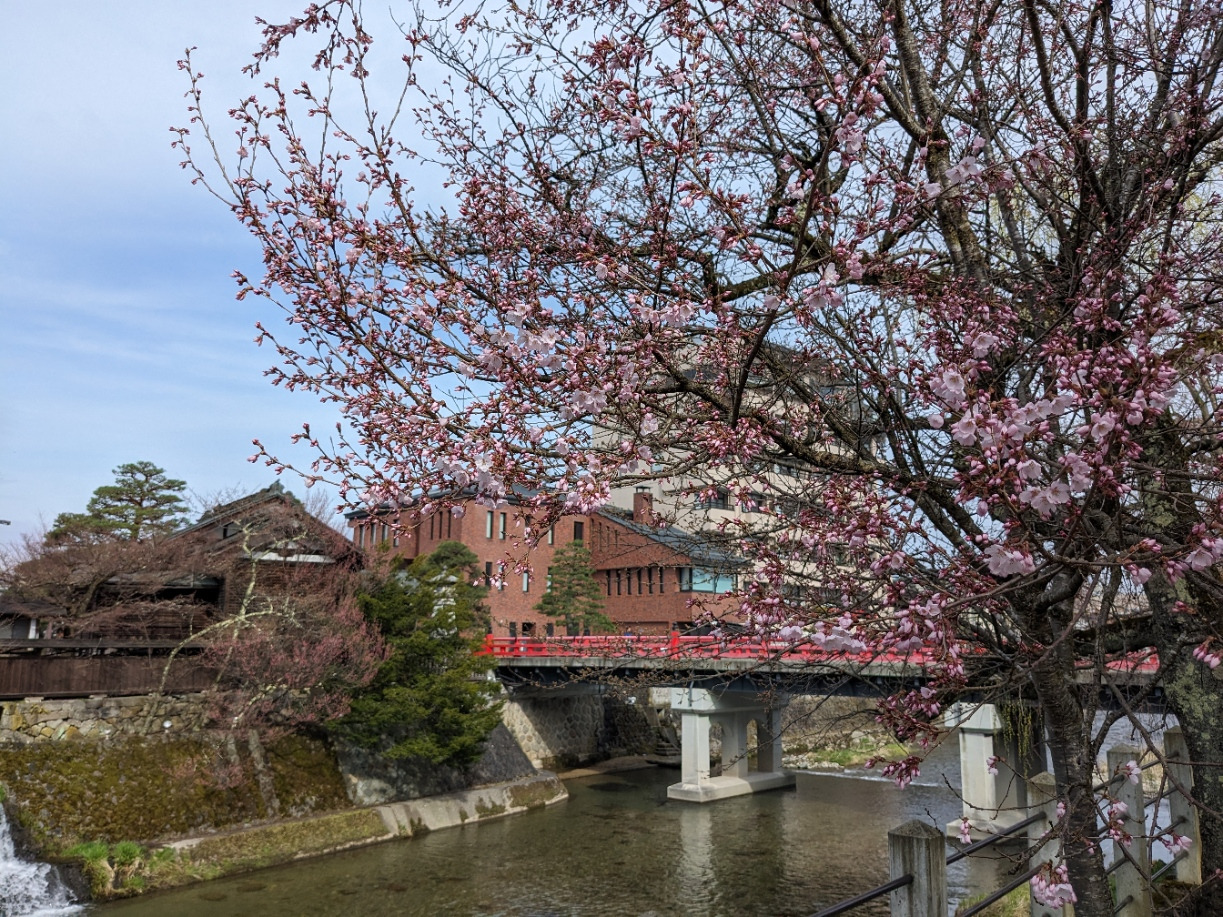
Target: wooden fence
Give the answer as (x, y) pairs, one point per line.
(55, 669)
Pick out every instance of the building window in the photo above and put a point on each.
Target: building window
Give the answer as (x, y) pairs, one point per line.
(617, 582)
(609, 582)
(395, 538)
(385, 533)
(552, 535)
(502, 527)
(548, 582)
(639, 576)
(526, 581)
(579, 531)
(488, 524)
(718, 498)
(752, 503)
(698, 579)
(432, 523)
(649, 576)
(660, 573)
(488, 573)
(628, 581)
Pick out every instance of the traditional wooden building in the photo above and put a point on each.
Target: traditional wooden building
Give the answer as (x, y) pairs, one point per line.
(101, 618)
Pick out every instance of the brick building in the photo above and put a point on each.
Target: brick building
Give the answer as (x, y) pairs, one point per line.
(654, 579)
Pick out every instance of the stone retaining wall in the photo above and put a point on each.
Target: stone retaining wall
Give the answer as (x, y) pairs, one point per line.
(37, 720)
(561, 731)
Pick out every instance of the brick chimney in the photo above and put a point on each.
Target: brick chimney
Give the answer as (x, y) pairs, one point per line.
(643, 506)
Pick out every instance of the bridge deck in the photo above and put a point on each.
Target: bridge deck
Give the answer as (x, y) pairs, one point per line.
(739, 656)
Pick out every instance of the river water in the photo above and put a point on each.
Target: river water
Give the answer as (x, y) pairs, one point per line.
(616, 847)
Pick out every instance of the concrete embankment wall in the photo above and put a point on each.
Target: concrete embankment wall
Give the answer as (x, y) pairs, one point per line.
(271, 845)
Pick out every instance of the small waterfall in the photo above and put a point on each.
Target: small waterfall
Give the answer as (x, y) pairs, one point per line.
(29, 889)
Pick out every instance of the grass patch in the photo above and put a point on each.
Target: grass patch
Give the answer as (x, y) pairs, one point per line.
(863, 752)
(89, 850)
(1017, 903)
(125, 853)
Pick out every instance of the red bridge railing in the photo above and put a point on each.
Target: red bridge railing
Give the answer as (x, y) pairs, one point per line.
(676, 647)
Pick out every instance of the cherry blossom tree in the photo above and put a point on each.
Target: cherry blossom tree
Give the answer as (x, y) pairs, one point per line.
(959, 261)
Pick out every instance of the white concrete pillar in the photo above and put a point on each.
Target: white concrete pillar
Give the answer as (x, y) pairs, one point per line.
(1182, 811)
(734, 744)
(733, 710)
(694, 749)
(1132, 877)
(991, 802)
(918, 850)
(768, 741)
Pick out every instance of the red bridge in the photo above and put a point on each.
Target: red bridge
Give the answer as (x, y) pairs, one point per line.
(675, 648)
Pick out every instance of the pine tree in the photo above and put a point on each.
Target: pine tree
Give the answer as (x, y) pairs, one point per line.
(142, 503)
(573, 595)
(427, 700)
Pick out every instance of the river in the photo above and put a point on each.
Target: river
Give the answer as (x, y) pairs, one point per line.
(616, 847)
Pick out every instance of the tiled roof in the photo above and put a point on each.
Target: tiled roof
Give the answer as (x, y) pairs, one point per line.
(701, 550)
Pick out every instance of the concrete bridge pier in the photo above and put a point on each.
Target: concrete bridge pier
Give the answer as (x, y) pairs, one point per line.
(699, 710)
(993, 802)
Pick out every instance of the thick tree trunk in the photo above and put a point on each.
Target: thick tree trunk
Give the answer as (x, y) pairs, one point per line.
(1068, 730)
(1184, 612)
(1195, 696)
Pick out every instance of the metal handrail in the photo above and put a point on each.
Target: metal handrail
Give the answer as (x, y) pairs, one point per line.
(858, 900)
(872, 894)
(1163, 869)
(993, 838)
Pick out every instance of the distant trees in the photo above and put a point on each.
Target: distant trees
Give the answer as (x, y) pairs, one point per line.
(573, 595)
(142, 503)
(428, 699)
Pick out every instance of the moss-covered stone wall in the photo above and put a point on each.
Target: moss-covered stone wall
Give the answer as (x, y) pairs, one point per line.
(154, 788)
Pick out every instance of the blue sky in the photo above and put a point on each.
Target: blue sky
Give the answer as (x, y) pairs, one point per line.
(121, 339)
